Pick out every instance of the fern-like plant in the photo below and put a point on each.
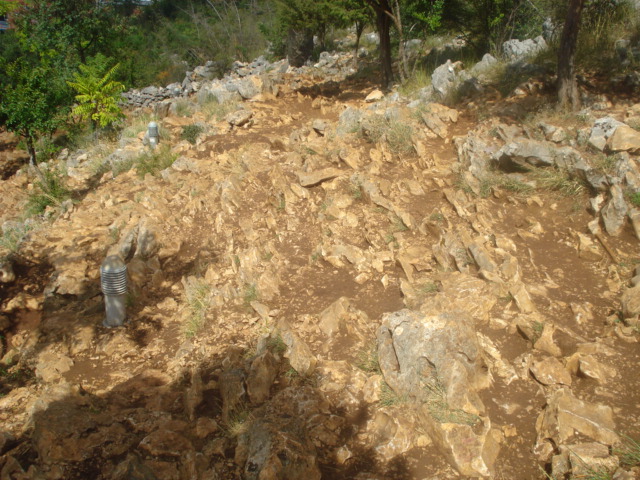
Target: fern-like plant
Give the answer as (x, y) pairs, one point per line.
(97, 93)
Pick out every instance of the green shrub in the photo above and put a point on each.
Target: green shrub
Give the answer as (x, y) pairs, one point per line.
(191, 132)
(155, 161)
(49, 191)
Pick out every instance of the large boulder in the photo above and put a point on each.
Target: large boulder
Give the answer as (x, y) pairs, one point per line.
(435, 362)
(515, 49)
(278, 444)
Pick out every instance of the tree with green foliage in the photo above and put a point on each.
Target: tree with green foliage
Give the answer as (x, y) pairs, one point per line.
(33, 104)
(72, 30)
(97, 92)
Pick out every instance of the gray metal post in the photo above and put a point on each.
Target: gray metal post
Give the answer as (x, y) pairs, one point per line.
(154, 135)
(113, 278)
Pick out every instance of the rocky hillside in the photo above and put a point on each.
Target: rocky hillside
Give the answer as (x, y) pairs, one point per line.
(329, 282)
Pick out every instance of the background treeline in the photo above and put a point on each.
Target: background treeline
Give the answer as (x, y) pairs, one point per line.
(65, 62)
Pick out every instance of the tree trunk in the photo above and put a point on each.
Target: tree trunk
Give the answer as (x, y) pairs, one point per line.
(383, 22)
(568, 95)
(397, 19)
(33, 162)
(359, 29)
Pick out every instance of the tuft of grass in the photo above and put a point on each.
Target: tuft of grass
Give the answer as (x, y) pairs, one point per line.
(388, 397)
(50, 191)
(198, 295)
(516, 186)
(399, 225)
(367, 360)
(184, 108)
(212, 109)
(238, 422)
(123, 166)
(155, 161)
(605, 163)
(439, 409)
(250, 294)
(559, 180)
(428, 288)
(633, 198)
(191, 132)
(436, 217)
(356, 191)
(628, 452)
(400, 138)
(12, 237)
(397, 134)
(276, 344)
(418, 80)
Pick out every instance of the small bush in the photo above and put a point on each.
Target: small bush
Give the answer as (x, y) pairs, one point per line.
(198, 295)
(12, 237)
(191, 132)
(155, 161)
(212, 109)
(50, 191)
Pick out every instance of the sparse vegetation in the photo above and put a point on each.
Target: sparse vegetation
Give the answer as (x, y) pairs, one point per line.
(190, 133)
(628, 452)
(12, 237)
(559, 180)
(198, 296)
(184, 108)
(367, 360)
(50, 191)
(439, 409)
(238, 422)
(250, 294)
(155, 161)
(389, 398)
(276, 344)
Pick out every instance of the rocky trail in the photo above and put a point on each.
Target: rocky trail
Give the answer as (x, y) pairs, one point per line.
(332, 283)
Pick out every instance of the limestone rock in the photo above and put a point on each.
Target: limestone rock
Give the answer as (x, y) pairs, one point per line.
(262, 374)
(624, 139)
(519, 49)
(631, 302)
(311, 179)
(166, 443)
(298, 352)
(550, 372)
(7, 274)
(565, 415)
(52, 366)
(232, 390)
(374, 96)
(525, 152)
(582, 460)
(602, 129)
(436, 361)
(614, 213)
(278, 446)
(239, 118)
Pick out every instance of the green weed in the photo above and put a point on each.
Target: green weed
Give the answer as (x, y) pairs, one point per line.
(155, 161)
(628, 452)
(191, 132)
(367, 360)
(388, 397)
(250, 294)
(12, 237)
(198, 295)
(439, 409)
(49, 191)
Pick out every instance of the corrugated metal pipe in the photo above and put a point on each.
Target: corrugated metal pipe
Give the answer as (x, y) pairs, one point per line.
(113, 278)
